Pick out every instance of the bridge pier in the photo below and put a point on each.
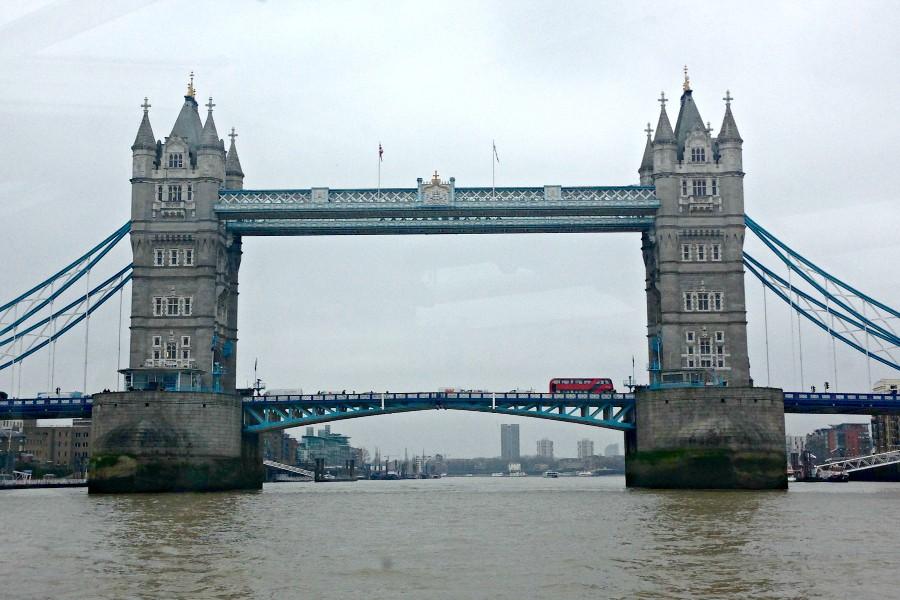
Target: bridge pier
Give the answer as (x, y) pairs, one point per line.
(707, 438)
(171, 442)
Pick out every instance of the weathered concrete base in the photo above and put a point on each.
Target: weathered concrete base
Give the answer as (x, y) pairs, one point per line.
(171, 442)
(707, 438)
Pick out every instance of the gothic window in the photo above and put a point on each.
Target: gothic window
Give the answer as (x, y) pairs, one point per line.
(174, 193)
(171, 351)
(185, 341)
(715, 187)
(698, 154)
(701, 253)
(157, 341)
(715, 252)
(176, 160)
(699, 187)
(157, 306)
(189, 257)
(186, 354)
(720, 337)
(686, 252)
(172, 307)
(703, 301)
(159, 193)
(684, 187)
(158, 257)
(186, 303)
(173, 257)
(156, 354)
(691, 361)
(689, 337)
(190, 192)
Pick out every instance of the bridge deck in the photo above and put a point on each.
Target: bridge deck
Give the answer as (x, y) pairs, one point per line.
(268, 412)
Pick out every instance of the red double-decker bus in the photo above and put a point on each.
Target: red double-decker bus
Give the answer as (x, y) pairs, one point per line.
(596, 385)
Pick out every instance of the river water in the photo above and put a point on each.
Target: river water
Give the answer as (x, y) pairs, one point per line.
(454, 538)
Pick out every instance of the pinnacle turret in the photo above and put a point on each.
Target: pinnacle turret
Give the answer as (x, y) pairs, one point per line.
(144, 138)
(729, 130)
(232, 162)
(664, 133)
(647, 160)
(209, 137)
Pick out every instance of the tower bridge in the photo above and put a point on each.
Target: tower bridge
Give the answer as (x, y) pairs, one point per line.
(182, 424)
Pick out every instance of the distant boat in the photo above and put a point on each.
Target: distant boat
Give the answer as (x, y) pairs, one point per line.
(551, 474)
(585, 473)
(517, 474)
(498, 474)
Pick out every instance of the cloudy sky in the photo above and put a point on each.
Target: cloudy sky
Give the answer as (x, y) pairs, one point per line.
(565, 88)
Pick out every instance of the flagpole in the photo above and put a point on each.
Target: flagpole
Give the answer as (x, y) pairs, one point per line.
(493, 168)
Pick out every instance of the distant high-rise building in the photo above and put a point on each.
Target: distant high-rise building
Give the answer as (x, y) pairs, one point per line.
(545, 448)
(585, 448)
(886, 428)
(611, 450)
(509, 442)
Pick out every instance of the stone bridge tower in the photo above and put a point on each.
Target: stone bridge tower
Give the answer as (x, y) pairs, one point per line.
(184, 289)
(696, 314)
(178, 427)
(701, 423)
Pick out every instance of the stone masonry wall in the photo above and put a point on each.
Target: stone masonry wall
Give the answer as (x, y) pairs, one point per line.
(712, 437)
(171, 441)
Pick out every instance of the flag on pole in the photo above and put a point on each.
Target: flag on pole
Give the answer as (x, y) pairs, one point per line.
(380, 152)
(497, 158)
(255, 362)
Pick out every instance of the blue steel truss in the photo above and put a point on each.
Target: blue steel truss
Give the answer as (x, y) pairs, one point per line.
(393, 211)
(267, 413)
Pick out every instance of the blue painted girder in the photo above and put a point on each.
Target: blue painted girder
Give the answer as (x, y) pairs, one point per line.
(46, 408)
(841, 403)
(267, 413)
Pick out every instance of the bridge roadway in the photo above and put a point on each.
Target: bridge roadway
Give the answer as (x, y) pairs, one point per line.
(614, 411)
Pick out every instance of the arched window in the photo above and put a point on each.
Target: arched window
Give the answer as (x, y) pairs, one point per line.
(698, 154)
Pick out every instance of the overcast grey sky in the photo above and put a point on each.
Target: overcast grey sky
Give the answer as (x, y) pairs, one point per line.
(564, 87)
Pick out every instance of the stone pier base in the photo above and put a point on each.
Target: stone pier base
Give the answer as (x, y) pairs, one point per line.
(707, 438)
(171, 442)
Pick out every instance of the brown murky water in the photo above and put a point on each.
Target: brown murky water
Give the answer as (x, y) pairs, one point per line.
(455, 538)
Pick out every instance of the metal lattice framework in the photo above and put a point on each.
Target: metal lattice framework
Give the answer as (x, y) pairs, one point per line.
(845, 313)
(321, 211)
(861, 463)
(48, 311)
(267, 413)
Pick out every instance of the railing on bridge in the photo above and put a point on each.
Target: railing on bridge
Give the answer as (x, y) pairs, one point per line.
(289, 469)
